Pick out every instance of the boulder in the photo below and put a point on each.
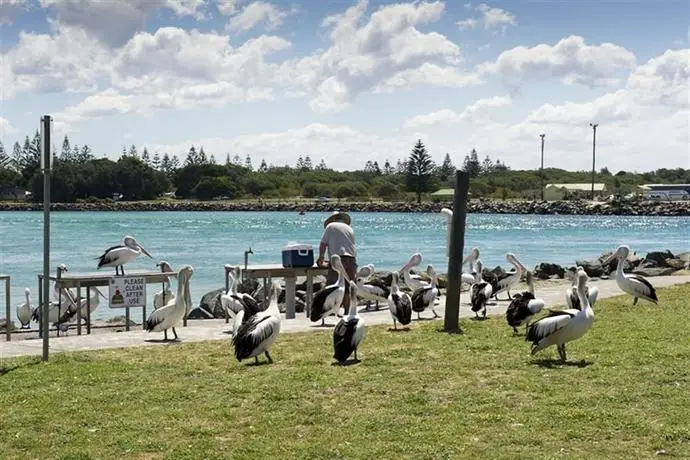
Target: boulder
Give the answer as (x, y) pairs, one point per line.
(592, 267)
(4, 324)
(209, 305)
(660, 257)
(653, 271)
(676, 264)
(120, 320)
(200, 313)
(546, 270)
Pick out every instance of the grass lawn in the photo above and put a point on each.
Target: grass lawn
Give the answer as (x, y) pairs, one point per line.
(417, 394)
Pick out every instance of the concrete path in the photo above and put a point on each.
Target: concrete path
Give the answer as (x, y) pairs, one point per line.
(199, 330)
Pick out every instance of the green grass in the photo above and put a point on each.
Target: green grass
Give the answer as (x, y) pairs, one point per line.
(417, 394)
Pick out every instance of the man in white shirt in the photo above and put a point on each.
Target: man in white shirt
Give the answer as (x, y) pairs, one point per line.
(339, 238)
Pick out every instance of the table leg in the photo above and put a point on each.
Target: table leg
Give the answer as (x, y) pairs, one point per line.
(290, 285)
(310, 291)
(78, 307)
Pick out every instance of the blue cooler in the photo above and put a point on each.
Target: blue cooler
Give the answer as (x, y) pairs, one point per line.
(298, 255)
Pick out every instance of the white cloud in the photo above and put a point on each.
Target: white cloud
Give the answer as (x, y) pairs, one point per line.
(386, 52)
(474, 112)
(489, 17)
(9, 9)
(6, 128)
(570, 60)
(227, 7)
(341, 146)
(115, 22)
(254, 14)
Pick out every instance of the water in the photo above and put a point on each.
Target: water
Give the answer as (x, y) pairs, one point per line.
(209, 240)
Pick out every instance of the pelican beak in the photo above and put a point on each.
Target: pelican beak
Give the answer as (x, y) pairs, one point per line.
(101, 294)
(609, 259)
(146, 252)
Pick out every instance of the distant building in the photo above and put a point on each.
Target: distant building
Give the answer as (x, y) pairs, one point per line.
(443, 194)
(666, 192)
(14, 193)
(558, 192)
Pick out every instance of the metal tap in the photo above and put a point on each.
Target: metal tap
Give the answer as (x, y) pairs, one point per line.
(246, 257)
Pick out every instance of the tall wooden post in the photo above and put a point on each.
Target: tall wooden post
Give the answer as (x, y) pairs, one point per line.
(457, 247)
(46, 160)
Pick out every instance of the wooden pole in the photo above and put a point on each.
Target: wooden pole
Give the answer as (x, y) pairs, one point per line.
(457, 247)
(46, 156)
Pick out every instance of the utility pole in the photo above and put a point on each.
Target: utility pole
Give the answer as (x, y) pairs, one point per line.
(594, 152)
(46, 160)
(541, 171)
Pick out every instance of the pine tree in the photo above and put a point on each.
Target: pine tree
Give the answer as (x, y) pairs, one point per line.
(471, 164)
(377, 169)
(322, 165)
(420, 168)
(236, 160)
(133, 151)
(487, 165)
(447, 169)
(212, 160)
(156, 162)
(263, 167)
(165, 164)
(174, 164)
(4, 159)
(66, 153)
(307, 163)
(192, 157)
(369, 167)
(74, 156)
(387, 168)
(124, 151)
(248, 163)
(203, 160)
(300, 163)
(85, 154)
(17, 155)
(145, 156)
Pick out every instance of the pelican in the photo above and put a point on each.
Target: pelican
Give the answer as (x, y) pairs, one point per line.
(118, 256)
(635, 285)
(561, 327)
(468, 278)
(371, 289)
(413, 282)
(165, 295)
(448, 213)
(327, 300)
(399, 304)
(509, 280)
(424, 297)
(233, 301)
(169, 315)
(256, 334)
(523, 306)
(349, 332)
(480, 292)
(92, 304)
(571, 298)
(25, 310)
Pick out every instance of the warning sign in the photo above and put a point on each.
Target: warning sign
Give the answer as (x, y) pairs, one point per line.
(128, 291)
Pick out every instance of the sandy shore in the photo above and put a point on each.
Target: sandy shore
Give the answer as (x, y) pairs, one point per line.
(551, 291)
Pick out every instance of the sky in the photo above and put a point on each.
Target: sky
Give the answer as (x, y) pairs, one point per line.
(351, 81)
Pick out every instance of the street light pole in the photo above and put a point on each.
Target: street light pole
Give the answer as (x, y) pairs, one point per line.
(541, 171)
(46, 160)
(594, 152)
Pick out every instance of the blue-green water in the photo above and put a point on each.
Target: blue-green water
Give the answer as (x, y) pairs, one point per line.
(209, 240)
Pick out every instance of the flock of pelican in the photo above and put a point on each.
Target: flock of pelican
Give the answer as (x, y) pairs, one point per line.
(256, 329)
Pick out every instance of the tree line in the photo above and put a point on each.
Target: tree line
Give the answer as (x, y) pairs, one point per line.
(79, 175)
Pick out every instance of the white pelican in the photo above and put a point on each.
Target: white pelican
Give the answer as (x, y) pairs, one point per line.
(256, 334)
(635, 285)
(371, 290)
(523, 306)
(468, 278)
(349, 332)
(560, 327)
(118, 256)
(399, 304)
(328, 299)
(448, 213)
(233, 301)
(169, 315)
(93, 302)
(413, 282)
(480, 293)
(165, 295)
(510, 279)
(25, 310)
(424, 297)
(571, 298)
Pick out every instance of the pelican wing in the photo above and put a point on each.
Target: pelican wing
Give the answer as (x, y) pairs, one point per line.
(403, 307)
(418, 301)
(549, 324)
(478, 297)
(318, 302)
(156, 317)
(251, 334)
(378, 283)
(343, 338)
(643, 286)
(110, 255)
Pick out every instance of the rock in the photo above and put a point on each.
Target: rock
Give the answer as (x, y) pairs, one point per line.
(676, 264)
(651, 271)
(4, 323)
(632, 261)
(120, 320)
(547, 270)
(442, 281)
(210, 302)
(592, 267)
(660, 257)
(199, 313)
(684, 256)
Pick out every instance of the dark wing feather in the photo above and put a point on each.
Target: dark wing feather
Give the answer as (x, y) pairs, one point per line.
(533, 334)
(153, 321)
(245, 341)
(514, 309)
(378, 282)
(418, 304)
(575, 299)
(652, 291)
(478, 299)
(403, 308)
(342, 339)
(317, 303)
(106, 257)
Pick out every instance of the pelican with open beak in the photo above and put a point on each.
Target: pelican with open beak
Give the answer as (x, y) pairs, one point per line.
(632, 284)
